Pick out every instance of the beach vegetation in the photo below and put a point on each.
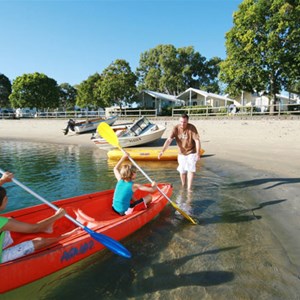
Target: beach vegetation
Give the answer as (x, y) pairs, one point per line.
(171, 70)
(5, 90)
(263, 49)
(167, 111)
(199, 109)
(114, 86)
(118, 84)
(86, 92)
(67, 96)
(34, 90)
(295, 87)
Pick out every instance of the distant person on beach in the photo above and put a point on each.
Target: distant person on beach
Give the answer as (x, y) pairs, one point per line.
(8, 224)
(188, 142)
(124, 201)
(232, 109)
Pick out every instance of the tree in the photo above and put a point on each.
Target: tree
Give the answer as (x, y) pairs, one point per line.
(5, 91)
(192, 69)
(211, 83)
(67, 97)
(294, 87)
(118, 84)
(87, 92)
(263, 49)
(171, 71)
(34, 90)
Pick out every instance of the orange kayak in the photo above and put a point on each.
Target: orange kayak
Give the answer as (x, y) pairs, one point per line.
(92, 210)
(146, 154)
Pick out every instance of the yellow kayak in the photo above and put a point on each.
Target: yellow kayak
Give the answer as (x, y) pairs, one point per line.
(145, 153)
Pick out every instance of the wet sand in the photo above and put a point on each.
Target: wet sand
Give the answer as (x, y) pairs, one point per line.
(260, 156)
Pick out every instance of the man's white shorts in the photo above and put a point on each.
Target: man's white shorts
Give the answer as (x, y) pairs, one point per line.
(187, 163)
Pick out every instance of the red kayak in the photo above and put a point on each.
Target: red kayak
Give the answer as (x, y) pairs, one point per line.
(92, 210)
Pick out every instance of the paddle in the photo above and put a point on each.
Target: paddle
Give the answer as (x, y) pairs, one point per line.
(110, 136)
(105, 240)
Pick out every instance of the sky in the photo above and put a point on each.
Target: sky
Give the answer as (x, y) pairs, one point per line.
(69, 40)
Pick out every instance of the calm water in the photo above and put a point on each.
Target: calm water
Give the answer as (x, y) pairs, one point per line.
(230, 254)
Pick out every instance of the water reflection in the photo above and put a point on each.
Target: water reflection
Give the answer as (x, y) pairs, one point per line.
(184, 201)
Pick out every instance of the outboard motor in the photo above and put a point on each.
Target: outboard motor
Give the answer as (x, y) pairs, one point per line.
(70, 126)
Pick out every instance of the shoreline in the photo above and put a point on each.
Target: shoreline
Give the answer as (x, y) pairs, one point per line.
(261, 155)
(271, 145)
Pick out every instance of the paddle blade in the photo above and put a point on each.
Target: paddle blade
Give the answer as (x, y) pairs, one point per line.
(109, 243)
(108, 134)
(183, 213)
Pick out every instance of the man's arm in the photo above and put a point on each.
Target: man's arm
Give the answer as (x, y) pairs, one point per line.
(165, 147)
(198, 147)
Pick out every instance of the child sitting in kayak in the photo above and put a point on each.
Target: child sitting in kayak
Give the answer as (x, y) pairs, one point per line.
(7, 224)
(123, 200)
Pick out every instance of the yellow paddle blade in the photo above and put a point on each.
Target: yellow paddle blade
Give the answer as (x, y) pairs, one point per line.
(108, 134)
(183, 213)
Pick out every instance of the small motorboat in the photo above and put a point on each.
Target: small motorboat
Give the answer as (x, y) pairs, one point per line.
(146, 153)
(92, 210)
(87, 125)
(139, 133)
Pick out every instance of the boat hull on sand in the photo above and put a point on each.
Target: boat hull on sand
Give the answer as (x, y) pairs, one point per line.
(92, 210)
(92, 124)
(139, 133)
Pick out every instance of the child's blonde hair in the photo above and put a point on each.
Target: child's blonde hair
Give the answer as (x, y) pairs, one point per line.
(127, 172)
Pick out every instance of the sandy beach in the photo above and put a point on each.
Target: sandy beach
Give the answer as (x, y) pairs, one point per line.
(267, 144)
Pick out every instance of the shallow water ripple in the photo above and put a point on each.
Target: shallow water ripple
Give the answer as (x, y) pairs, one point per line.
(231, 253)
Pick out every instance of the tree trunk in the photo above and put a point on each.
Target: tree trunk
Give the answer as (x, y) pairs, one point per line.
(272, 105)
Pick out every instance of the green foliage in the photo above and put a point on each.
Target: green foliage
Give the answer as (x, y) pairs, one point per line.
(294, 87)
(169, 70)
(5, 91)
(115, 85)
(118, 83)
(67, 96)
(263, 49)
(88, 94)
(167, 111)
(34, 90)
(211, 82)
(198, 109)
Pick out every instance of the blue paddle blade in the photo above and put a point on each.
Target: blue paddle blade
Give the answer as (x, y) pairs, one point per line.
(109, 243)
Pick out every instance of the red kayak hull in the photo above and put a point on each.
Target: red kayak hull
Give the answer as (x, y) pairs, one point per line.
(92, 210)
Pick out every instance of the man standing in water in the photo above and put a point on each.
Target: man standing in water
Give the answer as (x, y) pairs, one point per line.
(188, 142)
